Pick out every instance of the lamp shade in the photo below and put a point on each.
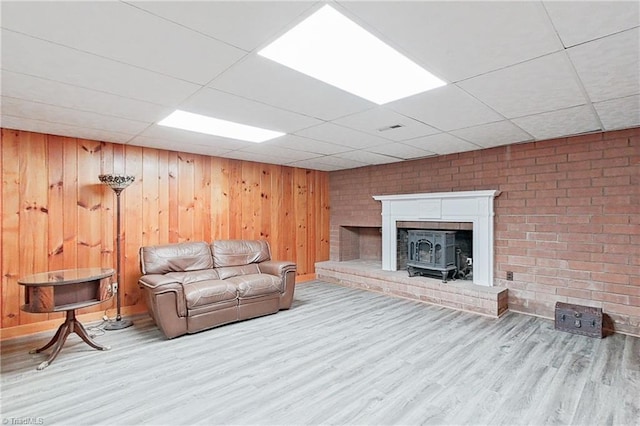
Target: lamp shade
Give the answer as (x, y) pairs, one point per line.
(117, 182)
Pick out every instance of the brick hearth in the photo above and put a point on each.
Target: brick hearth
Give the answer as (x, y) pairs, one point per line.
(459, 294)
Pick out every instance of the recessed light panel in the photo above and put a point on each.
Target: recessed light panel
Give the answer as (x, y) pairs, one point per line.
(214, 126)
(331, 48)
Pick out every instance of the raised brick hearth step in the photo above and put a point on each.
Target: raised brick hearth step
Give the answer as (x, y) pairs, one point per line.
(459, 294)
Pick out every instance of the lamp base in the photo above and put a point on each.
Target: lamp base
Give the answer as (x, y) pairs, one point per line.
(118, 324)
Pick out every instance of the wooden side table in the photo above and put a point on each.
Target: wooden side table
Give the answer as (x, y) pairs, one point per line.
(66, 290)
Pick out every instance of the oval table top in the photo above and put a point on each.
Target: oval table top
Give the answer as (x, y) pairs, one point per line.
(66, 276)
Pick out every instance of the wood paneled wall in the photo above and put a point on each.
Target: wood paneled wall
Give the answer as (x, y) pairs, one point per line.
(56, 214)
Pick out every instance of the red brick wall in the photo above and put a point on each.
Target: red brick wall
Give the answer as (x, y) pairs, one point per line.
(567, 221)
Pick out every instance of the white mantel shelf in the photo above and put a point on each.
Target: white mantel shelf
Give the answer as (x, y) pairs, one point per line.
(466, 206)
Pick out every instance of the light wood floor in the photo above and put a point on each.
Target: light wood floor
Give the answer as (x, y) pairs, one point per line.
(339, 356)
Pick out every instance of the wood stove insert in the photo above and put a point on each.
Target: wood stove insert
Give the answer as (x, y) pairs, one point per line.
(431, 252)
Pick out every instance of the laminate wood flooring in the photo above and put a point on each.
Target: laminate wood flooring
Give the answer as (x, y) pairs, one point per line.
(338, 356)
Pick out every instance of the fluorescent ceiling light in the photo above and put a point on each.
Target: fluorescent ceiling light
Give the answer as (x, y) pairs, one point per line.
(214, 126)
(331, 48)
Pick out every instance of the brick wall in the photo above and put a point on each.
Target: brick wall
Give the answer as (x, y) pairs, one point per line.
(567, 221)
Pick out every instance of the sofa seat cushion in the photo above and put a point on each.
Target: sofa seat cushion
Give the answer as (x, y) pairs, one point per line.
(253, 285)
(201, 293)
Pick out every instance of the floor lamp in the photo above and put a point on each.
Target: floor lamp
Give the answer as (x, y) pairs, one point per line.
(118, 183)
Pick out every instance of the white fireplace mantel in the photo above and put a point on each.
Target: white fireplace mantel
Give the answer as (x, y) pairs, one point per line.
(468, 206)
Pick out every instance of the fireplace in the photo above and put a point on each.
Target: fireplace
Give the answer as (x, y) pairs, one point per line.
(472, 207)
(470, 214)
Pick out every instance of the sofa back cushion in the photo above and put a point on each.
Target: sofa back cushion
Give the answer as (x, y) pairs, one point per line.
(239, 252)
(179, 257)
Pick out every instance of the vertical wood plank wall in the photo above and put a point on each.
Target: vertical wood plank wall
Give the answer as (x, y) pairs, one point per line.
(56, 214)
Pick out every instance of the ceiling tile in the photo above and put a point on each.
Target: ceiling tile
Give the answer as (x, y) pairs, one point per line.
(317, 164)
(457, 40)
(580, 21)
(446, 108)
(442, 143)
(580, 119)
(113, 30)
(375, 119)
(334, 161)
(31, 125)
(184, 138)
(148, 142)
(609, 67)
(258, 158)
(27, 55)
(285, 154)
(239, 23)
(51, 92)
(225, 106)
(543, 84)
(493, 134)
(366, 157)
(344, 136)
(265, 81)
(310, 145)
(402, 151)
(619, 113)
(55, 114)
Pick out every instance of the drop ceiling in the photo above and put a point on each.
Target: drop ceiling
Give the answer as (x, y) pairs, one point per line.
(516, 72)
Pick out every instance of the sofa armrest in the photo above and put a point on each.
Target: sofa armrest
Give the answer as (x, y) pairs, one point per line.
(287, 272)
(156, 284)
(166, 303)
(277, 268)
(151, 281)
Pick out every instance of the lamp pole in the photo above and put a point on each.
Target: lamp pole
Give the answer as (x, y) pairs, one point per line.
(118, 183)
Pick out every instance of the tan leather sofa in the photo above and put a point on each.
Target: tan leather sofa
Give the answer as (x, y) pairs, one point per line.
(190, 287)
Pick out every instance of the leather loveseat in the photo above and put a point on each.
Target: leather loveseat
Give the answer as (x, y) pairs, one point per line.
(190, 287)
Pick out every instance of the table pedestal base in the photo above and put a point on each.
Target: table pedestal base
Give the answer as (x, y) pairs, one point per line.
(70, 325)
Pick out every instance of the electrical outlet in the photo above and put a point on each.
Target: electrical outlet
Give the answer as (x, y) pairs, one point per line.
(509, 276)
